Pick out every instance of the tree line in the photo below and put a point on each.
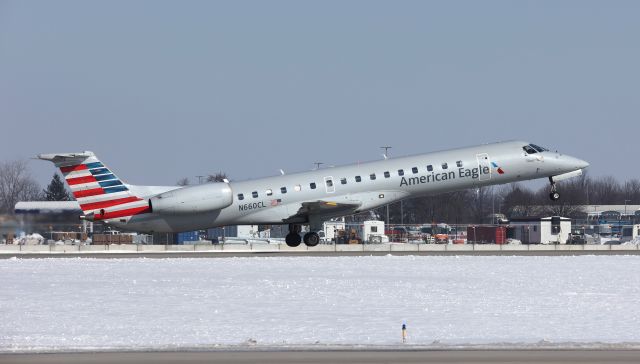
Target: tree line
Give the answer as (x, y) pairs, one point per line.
(514, 200)
(17, 184)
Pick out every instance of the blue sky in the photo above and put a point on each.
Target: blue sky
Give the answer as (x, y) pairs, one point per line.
(163, 90)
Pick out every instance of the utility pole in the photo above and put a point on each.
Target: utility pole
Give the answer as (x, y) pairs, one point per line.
(318, 164)
(386, 149)
(387, 214)
(200, 179)
(625, 206)
(386, 156)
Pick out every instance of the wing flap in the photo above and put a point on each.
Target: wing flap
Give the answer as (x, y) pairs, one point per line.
(324, 208)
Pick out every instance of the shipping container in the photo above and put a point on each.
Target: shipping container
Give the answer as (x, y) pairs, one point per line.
(187, 236)
(486, 234)
(216, 234)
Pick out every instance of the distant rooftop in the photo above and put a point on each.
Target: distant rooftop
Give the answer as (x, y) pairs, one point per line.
(46, 207)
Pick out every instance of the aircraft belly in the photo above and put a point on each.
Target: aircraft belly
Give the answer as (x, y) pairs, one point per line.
(371, 200)
(269, 214)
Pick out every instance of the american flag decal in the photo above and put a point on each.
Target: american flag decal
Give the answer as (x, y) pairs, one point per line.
(500, 171)
(276, 202)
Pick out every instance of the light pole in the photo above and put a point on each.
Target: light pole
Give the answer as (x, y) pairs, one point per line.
(387, 214)
(200, 179)
(386, 155)
(386, 148)
(625, 206)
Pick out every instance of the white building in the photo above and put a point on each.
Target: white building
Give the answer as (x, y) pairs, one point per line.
(373, 231)
(541, 230)
(331, 229)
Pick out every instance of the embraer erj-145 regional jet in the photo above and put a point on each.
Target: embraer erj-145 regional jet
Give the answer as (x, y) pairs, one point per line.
(307, 197)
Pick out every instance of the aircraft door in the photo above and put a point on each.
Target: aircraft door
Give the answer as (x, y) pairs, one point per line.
(484, 163)
(329, 185)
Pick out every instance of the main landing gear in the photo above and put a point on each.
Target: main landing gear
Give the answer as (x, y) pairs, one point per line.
(293, 239)
(554, 195)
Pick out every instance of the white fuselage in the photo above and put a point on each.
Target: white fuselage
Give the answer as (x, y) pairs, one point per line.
(311, 197)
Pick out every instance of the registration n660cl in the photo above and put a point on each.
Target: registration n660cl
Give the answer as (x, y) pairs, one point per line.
(251, 206)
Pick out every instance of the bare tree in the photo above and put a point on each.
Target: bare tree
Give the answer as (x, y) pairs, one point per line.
(518, 201)
(183, 182)
(217, 177)
(632, 191)
(16, 184)
(605, 191)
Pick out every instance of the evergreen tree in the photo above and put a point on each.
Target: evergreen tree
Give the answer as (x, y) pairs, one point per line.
(56, 191)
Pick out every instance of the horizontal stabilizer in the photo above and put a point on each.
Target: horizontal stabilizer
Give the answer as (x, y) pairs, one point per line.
(64, 158)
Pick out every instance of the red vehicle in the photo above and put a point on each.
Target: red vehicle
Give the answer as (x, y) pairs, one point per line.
(397, 234)
(437, 233)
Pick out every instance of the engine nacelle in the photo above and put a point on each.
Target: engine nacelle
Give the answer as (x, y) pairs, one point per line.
(202, 198)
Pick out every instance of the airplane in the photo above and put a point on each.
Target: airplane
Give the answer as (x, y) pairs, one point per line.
(307, 197)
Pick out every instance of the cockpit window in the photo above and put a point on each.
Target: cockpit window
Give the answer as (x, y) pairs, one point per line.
(539, 148)
(529, 150)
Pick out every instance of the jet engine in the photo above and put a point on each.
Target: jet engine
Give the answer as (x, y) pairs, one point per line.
(202, 198)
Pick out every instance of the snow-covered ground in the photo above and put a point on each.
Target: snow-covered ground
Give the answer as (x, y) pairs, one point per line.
(76, 304)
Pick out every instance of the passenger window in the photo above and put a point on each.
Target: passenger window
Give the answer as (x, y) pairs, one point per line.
(240, 196)
(254, 194)
(372, 176)
(444, 166)
(414, 170)
(358, 178)
(312, 185)
(459, 164)
(430, 168)
(400, 172)
(297, 188)
(343, 181)
(387, 174)
(283, 190)
(269, 192)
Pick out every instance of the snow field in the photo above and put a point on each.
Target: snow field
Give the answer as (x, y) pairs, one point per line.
(88, 304)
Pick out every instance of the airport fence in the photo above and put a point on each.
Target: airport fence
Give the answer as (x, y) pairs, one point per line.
(371, 232)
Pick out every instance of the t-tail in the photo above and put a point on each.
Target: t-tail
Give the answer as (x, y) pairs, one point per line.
(99, 192)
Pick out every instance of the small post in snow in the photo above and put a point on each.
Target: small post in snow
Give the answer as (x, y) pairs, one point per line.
(404, 333)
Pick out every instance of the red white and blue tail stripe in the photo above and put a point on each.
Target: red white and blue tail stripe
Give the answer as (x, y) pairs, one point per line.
(99, 192)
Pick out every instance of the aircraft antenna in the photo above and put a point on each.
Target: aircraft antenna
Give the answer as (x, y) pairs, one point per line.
(318, 164)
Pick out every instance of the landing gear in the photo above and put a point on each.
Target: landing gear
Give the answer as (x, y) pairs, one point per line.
(554, 195)
(293, 239)
(311, 239)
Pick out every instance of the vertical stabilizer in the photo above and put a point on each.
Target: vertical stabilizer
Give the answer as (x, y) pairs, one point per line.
(99, 192)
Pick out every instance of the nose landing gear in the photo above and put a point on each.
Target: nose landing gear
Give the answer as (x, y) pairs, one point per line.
(554, 195)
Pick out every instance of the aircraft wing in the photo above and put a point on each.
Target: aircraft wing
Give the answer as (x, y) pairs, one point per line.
(324, 208)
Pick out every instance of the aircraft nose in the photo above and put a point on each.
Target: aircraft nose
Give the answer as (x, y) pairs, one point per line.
(582, 164)
(576, 163)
